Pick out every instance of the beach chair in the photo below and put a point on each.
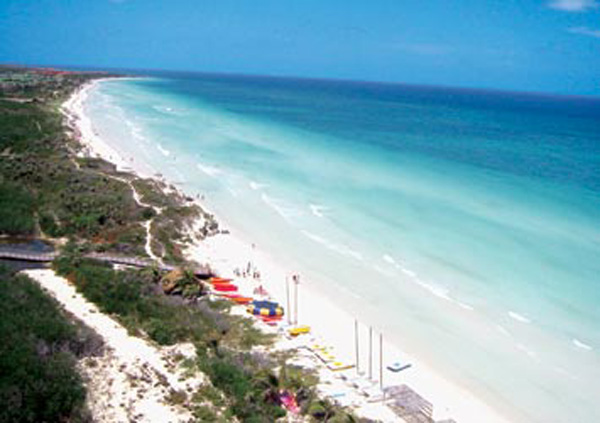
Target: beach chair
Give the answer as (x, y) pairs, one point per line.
(338, 366)
(397, 367)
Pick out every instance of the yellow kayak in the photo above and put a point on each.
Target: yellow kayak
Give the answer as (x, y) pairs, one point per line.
(299, 330)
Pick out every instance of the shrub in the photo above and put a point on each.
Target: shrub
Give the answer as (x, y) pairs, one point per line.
(16, 210)
(38, 379)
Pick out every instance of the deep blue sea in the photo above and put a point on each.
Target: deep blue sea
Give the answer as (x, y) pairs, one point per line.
(465, 223)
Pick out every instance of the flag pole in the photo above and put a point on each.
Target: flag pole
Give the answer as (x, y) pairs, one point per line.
(296, 282)
(287, 295)
(381, 361)
(356, 345)
(370, 352)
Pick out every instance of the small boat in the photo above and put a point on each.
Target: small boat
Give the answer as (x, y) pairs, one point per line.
(241, 300)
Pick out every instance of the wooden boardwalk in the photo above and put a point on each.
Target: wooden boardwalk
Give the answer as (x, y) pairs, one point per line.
(30, 256)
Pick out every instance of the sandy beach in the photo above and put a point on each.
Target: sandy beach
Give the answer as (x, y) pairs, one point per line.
(331, 324)
(132, 378)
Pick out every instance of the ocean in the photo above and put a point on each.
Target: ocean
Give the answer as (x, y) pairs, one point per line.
(465, 224)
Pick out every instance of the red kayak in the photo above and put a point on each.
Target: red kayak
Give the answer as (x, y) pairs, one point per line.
(225, 287)
(268, 319)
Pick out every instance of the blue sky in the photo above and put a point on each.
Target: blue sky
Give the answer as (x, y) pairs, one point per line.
(531, 45)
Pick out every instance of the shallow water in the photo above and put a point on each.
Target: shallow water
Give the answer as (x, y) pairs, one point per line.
(466, 223)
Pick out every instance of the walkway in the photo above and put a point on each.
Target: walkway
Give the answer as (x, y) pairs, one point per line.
(16, 254)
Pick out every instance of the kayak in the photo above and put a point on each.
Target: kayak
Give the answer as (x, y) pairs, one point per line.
(299, 330)
(219, 280)
(225, 287)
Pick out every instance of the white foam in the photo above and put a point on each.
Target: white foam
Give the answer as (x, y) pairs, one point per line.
(338, 248)
(503, 330)
(163, 150)
(318, 210)
(284, 210)
(465, 306)
(518, 317)
(527, 351)
(209, 170)
(256, 186)
(382, 271)
(164, 109)
(135, 129)
(582, 345)
(408, 272)
(389, 259)
(438, 291)
(231, 191)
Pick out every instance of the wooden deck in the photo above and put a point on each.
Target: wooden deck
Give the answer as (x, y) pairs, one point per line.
(20, 255)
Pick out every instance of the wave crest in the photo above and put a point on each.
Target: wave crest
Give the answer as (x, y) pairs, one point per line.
(338, 248)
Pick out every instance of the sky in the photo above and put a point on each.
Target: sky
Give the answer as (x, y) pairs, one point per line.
(520, 45)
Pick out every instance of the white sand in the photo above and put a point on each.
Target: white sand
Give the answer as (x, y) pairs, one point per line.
(335, 327)
(228, 252)
(82, 128)
(132, 379)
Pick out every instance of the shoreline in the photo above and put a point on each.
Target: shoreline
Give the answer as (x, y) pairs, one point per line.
(227, 252)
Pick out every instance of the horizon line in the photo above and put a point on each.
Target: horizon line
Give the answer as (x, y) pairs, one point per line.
(588, 97)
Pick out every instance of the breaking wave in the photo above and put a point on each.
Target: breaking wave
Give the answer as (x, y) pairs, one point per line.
(338, 248)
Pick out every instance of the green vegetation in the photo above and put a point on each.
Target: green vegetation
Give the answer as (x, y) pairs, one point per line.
(135, 297)
(16, 210)
(223, 341)
(68, 198)
(39, 382)
(46, 189)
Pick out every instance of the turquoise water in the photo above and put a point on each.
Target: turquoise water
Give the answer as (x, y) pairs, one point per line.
(465, 224)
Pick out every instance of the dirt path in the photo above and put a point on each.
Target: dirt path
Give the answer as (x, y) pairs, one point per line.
(133, 379)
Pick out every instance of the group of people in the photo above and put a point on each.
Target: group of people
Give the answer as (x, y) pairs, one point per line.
(248, 271)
